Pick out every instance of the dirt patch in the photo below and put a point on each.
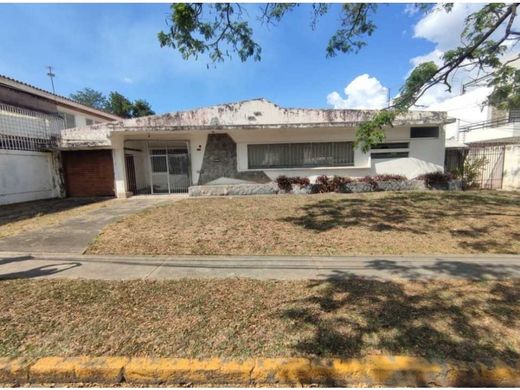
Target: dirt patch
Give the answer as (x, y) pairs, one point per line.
(328, 224)
(241, 318)
(27, 216)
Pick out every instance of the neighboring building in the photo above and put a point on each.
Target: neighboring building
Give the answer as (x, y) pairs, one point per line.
(487, 132)
(31, 121)
(246, 142)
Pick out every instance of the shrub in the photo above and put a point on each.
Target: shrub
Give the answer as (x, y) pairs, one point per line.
(286, 183)
(326, 184)
(471, 170)
(438, 178)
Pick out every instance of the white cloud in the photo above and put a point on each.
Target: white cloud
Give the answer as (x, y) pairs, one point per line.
(128, 80)
(362, 92)
(444, 28)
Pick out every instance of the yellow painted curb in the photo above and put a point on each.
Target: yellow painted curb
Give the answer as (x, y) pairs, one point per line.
(13, 370)
(372, 370)
(78, 369)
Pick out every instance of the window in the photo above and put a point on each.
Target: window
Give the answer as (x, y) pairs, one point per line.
(391, 145)
(89, 122)
(159, 164)
(382, 155)
(316, 154)
(514, 115)
(69, 119)
(424, 132)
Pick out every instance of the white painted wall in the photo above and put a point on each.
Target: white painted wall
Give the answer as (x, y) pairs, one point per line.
(511, 178)
(425, 154)
(26, 176)
(81, 117)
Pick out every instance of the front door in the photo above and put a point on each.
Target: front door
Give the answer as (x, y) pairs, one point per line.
(169, 170)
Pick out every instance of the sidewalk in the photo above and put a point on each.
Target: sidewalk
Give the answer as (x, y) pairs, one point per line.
(51, 265)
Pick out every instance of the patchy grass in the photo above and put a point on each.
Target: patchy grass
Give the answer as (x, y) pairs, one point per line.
(21, 217)
(240, 318)
(329, 224)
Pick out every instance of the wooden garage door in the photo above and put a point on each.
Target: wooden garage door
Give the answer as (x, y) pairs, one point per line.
(89, 173)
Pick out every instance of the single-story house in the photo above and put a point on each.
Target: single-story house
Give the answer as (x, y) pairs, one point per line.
(252, 141)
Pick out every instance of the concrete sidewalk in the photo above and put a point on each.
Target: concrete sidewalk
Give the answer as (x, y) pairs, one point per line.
(47, 265)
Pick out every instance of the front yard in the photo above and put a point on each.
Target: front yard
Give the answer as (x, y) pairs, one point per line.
(239, 318)
(328, 224)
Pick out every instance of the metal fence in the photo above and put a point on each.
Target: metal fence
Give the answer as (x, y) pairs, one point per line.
(491, 175)
(22, 129)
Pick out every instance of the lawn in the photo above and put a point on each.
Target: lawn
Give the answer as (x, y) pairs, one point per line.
(20, 217)
(327, 224)
(241, 318)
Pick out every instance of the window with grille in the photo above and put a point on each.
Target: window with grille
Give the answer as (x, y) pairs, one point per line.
(89, 122)
(300, 155)
(69, 119)
(514, 115)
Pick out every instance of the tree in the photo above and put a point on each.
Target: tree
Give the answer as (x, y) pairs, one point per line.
(91, 98)
(119, 105)
(141, 108)
(219, 30)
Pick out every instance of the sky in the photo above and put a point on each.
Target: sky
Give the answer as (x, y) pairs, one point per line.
(114, 47)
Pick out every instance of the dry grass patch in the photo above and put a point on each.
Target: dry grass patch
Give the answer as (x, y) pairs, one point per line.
(239, 318)
(21, 217)
(328, 224)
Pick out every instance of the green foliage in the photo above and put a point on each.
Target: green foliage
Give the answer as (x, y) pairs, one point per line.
(141, 108)
(371, 132)
(116, 103)
(90, 97)
(355, 26)
(119, 105)
(471, 170)
(192, 35)
(219, 30)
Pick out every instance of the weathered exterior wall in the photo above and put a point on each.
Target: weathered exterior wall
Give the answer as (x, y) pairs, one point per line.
(26, 176)
(511, 178)
(26, 100)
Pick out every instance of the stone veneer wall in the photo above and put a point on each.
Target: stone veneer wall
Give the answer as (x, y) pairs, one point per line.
(220, 160)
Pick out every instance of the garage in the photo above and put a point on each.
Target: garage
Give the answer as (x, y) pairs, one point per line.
(88, 173)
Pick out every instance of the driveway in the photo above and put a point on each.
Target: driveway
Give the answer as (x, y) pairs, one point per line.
(478, 267)
(74, 234)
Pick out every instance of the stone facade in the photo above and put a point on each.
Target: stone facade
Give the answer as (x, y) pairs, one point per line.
(234, 189)
(220, 160)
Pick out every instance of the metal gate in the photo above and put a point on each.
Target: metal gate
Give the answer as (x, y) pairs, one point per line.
(169, 171)
(492, 173)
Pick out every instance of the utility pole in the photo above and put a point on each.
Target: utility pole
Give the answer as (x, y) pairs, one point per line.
(51, 75)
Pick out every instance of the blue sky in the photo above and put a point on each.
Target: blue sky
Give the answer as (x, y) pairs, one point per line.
(114, 47)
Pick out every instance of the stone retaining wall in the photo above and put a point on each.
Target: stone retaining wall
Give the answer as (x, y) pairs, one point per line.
(354, 187)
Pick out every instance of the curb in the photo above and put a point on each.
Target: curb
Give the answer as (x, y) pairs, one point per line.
(373, 370)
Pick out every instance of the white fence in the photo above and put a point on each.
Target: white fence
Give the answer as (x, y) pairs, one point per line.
(29, 169)
(22, 129)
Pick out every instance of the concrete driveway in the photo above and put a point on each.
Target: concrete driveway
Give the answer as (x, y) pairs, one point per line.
(74, 234)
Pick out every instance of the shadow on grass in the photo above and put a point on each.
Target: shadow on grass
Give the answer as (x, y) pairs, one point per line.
(21, 211)
(419, 213)
(349, 317)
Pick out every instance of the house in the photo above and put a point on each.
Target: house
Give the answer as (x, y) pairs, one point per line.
(484, 131)
(252, 141)
(31, 120)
